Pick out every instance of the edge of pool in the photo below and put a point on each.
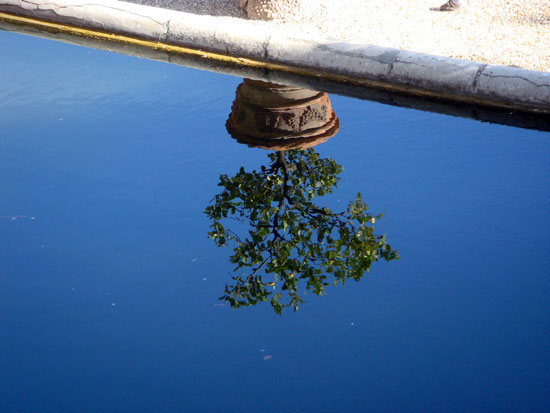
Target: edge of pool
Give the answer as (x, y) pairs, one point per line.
(247, 44)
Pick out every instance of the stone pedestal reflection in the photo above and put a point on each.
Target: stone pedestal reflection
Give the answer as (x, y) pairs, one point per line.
(276, 117)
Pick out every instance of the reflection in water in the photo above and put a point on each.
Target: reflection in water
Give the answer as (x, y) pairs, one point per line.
(288, 237)
(277, 117)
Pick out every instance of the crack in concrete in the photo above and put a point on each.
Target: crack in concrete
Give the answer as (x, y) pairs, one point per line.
(214, 39)
(266, 47)
(167, 34)
(479, 70)
(518, 77)
(390, 70)
(411, 63)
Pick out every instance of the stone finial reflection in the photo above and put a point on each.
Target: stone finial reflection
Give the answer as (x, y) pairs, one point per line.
(277, 117)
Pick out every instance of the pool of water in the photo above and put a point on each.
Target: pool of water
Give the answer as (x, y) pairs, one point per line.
(110, 286)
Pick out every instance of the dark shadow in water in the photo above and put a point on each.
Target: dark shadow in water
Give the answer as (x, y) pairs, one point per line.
(286, 237)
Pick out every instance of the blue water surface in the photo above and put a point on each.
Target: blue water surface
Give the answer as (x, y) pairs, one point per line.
(109, 285)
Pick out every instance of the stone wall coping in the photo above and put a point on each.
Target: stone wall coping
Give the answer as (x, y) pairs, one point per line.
(372, 65)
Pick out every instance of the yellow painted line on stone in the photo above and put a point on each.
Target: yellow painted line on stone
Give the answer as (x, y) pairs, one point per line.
(242, 61)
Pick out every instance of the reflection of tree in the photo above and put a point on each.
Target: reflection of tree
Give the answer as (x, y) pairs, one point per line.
(289, 237)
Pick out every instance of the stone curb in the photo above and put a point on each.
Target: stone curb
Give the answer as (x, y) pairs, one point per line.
(371, 65)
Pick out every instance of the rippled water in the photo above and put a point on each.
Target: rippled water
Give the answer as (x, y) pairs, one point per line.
(109, 297)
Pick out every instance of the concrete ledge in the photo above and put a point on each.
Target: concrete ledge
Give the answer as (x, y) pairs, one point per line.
(367, 65)
(523, 119)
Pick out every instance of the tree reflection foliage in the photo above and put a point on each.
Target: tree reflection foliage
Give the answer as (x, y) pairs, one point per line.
(290, 238)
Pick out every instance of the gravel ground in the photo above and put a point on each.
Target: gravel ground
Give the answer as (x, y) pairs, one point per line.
(503, 32)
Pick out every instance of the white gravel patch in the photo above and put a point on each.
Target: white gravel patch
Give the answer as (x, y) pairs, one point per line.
(502, 32)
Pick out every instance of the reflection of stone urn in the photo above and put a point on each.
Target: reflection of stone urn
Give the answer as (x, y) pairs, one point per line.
(279, 117)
